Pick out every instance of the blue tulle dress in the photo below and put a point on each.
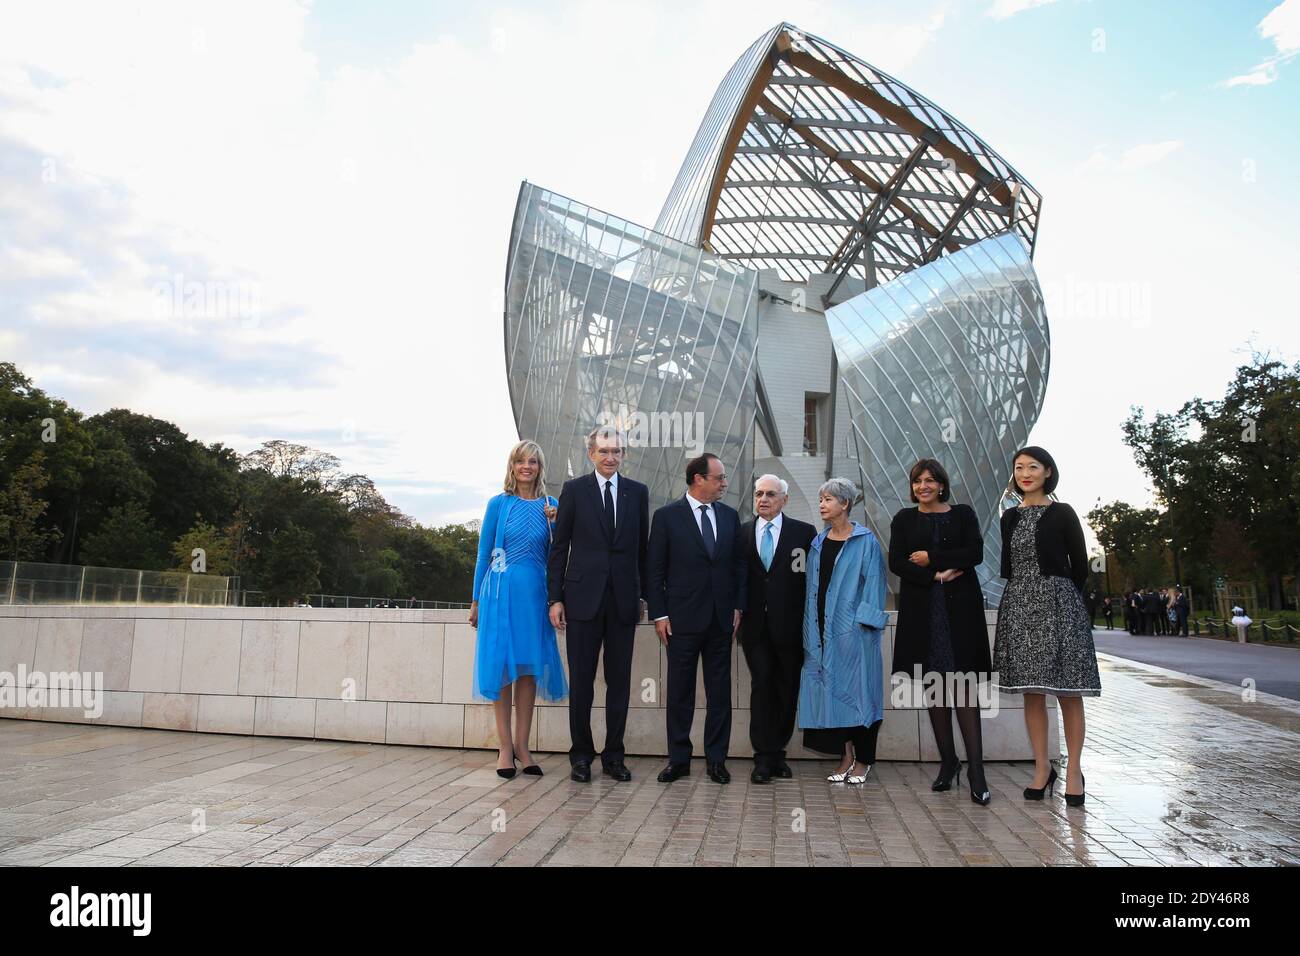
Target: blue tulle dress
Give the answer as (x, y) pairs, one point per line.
(515, 636)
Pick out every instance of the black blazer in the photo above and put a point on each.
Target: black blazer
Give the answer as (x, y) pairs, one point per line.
(962, 546)
(776, 597)
(681, 581)
(583, 560)
(1062, 551)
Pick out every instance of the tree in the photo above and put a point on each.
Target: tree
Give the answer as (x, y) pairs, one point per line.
(22, 538)
(284, 459)
(215, 545)
(128, 538)
(1133, 542)
(291, 565)
(1219, 467)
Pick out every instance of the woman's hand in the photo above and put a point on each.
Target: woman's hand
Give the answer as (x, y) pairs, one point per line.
(952, 574)
(921, 558)
(473, 614)
(549, 511)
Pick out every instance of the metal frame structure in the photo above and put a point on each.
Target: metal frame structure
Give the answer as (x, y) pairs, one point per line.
(813, 164)
(810, 160)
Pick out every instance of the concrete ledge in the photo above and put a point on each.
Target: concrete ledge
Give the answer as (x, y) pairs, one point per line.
(372, 675)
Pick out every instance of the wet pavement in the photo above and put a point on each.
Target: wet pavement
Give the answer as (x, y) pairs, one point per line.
(1274, 669)
(1181, 771)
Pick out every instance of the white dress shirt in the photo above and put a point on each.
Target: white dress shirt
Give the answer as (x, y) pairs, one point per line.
(760, 525)
(613, 491)
(695, 510)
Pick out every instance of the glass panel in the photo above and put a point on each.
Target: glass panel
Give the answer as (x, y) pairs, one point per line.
(948, 361)
(610, 323)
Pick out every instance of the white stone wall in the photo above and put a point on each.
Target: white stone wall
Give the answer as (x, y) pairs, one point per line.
(282, 671)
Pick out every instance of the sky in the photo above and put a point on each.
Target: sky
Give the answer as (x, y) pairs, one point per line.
(285, 220)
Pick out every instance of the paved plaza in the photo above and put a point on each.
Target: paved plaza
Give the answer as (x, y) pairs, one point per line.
(1181, 771)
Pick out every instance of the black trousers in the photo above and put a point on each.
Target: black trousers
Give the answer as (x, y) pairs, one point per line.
(774, 694)
(685, 654)
(584, 640)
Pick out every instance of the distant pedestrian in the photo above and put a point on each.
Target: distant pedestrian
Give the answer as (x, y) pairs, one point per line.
(1182, 608)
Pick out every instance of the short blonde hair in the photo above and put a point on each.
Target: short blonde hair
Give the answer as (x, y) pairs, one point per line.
(522, 450)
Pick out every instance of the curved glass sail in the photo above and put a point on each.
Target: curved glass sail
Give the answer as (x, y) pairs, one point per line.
(949, 362)
(607, 322)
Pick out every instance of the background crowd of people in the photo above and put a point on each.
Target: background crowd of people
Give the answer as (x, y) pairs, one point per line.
(1162, 613)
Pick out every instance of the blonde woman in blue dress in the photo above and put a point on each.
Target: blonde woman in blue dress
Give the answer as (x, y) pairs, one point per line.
(515, 655)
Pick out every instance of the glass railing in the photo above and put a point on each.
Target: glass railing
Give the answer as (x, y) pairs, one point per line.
(27, 582)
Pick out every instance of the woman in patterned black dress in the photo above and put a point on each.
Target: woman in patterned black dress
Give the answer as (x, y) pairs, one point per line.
(1044, 638)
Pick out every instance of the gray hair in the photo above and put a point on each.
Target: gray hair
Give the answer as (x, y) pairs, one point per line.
(605, 431)
(780, 483)
(841, 489)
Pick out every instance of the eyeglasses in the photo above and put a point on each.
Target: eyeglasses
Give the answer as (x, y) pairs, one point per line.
(767, 494)
(609, 453)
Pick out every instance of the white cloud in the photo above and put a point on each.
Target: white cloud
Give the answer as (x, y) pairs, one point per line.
(1282, 26)
(1003, 9)
(1135, 157)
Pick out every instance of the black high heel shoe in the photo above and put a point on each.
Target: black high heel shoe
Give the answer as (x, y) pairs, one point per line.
(944, 780)
(533, 770)
(1036, 793)
(508, 772)
(1076, 799)
(982, 797)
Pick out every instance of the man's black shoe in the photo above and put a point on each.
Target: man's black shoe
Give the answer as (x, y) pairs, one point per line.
(782, 770)
(618, 770)
(581, 773)
(760, 775)
(674, 771)
(718, 773)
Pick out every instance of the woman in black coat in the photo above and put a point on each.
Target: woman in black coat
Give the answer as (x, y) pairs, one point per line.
(934, 549)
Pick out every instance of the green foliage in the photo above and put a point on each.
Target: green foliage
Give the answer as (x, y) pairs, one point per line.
(128, 538)
(1227, 475)
(127, 490)
(216, 550)
(22, 537)
(292, 567)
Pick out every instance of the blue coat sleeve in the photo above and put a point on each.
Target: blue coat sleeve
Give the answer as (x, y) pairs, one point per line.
(871, 610)
(487, 536)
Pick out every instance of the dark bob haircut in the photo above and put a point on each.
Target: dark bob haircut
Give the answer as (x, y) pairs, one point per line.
(1041, 456)
(698, 466)
(936, 471)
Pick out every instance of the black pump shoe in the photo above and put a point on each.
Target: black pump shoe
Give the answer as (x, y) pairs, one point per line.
(944, 780)
(1076, 799)
(1036, 793)
(507, 772)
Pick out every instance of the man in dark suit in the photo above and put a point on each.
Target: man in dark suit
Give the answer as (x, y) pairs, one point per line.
(595, 580)
(1182, 608)
(695, 587)
(776, 549)
(1150, 609)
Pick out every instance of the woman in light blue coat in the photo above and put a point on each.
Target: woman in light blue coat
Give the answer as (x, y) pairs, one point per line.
(841, 688)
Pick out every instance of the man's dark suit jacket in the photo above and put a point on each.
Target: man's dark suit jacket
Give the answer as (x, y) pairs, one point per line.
(682, 582)
(777, 594)
(583, 559)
